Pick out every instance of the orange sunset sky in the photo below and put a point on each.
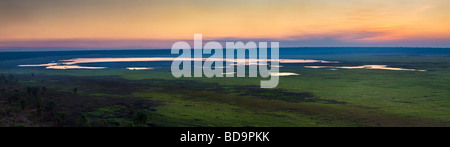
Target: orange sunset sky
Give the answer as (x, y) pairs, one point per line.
(102, 24)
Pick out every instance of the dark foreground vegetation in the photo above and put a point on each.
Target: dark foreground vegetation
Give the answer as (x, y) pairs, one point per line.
(42, 101)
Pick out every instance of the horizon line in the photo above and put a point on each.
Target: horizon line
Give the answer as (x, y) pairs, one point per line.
(63, 49)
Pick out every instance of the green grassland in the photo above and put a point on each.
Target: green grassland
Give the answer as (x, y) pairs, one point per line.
(317, 97)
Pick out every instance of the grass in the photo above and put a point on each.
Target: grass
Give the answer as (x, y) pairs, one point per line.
(357, 97)
(180, 111)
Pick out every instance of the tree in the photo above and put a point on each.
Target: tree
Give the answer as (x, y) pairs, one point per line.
(23, 103)
(141, 117)
(131, 114)
(84, 120)
(13, 98)
(59, 118)
(2, 77)
(50, 107)
(34, 91)
(75, 90)
(38, 103)
(28, 90)
(11, 79)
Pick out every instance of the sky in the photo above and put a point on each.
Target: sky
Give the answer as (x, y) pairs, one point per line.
(139, 24)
